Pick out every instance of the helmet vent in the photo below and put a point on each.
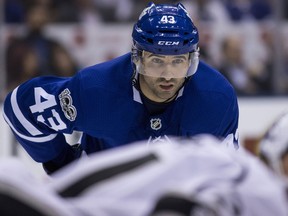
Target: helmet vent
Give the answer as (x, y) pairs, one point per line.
(149, 40)
(185, 42)
(168, 32)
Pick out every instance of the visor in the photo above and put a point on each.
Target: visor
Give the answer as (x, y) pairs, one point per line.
(168, 66)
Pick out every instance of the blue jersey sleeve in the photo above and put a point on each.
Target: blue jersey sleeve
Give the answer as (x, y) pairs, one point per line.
(39, 111)
(229, 124)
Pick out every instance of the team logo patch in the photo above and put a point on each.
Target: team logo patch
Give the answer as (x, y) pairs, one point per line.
(155, 123)
(66, 101)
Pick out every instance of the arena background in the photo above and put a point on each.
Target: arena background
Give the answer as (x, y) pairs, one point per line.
(91, 43)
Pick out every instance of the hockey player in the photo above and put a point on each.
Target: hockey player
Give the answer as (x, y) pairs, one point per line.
(200, 177)
(273, 148)
(157, 91)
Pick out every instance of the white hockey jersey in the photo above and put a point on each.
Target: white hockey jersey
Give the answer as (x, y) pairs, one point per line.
(134, 179)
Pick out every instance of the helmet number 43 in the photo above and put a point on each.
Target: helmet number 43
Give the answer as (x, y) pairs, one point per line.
(168, 19)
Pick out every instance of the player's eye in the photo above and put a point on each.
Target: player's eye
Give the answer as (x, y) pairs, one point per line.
(178, 61)
(157, 61)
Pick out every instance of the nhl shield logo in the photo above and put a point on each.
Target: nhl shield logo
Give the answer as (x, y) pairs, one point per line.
(156, 123)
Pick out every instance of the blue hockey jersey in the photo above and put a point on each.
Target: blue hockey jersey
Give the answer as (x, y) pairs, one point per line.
(101, 102)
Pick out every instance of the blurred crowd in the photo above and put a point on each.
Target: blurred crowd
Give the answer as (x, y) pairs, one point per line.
(128, 10)
(254, 65)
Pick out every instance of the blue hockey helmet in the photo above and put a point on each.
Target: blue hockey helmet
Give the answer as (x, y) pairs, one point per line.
(166, 30)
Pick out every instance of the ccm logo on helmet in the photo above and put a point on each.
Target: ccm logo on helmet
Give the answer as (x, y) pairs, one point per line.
(168, 43)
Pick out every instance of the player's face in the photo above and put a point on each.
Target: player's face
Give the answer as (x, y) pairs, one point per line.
(161, 76)
(159, 89)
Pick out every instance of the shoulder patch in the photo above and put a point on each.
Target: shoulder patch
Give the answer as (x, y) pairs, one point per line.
(66, 101)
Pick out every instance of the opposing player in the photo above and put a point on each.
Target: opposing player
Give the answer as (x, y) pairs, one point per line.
(181, 177)
(157, 91)
(273, 148)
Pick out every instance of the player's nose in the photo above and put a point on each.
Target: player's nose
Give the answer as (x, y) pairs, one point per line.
(168, 72)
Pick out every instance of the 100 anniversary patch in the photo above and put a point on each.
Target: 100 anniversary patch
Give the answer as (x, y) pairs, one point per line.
(66, 101)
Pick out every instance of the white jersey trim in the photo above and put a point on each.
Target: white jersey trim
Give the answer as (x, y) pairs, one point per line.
(180, 93)
(21, 118)
(136, 95)
(32, 139)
